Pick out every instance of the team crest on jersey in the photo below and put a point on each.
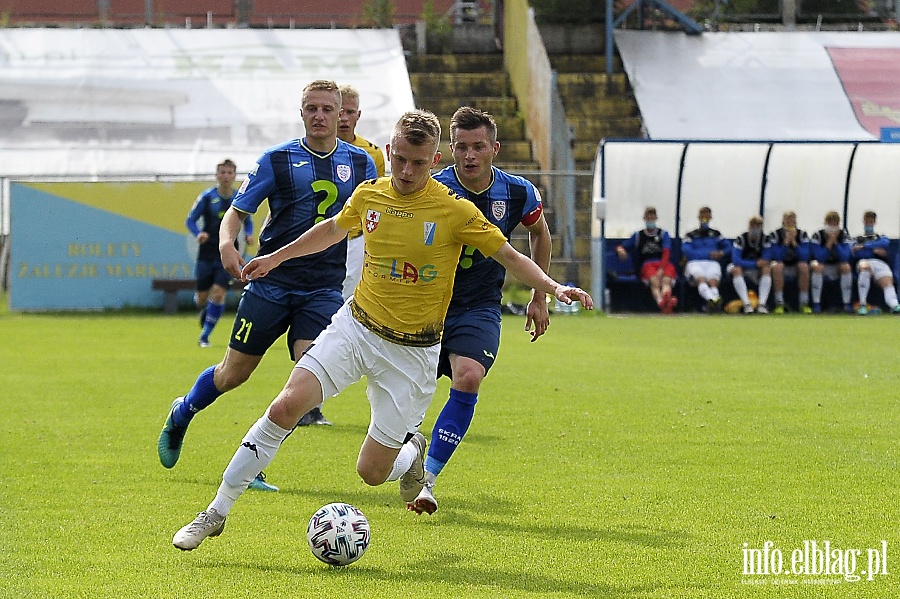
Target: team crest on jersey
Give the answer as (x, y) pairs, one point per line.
(498, 209)
(343, 172)
(429, 233)
(372, 218)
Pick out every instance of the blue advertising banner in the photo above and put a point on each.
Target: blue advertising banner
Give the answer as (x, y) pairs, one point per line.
(97, 245)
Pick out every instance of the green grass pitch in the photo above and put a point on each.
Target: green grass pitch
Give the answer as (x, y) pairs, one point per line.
(616, 457)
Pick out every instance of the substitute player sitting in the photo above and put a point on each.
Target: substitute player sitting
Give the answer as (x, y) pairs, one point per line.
(652, 248)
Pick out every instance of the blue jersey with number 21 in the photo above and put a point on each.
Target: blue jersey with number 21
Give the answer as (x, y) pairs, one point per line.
(303, 188)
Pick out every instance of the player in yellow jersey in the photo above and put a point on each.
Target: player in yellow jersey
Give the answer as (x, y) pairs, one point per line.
(346, 131)
(414, 230)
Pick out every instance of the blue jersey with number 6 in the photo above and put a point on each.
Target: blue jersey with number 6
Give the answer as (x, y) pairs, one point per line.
(303, 188)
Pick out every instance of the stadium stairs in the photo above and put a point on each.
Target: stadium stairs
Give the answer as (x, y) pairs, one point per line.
(597, 106)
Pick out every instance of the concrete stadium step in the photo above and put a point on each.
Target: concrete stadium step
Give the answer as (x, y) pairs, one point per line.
(597, 129)
(497, 106)
(583, 63)
(455, 63)
(598, 107)
(460, 84)
(591, 85)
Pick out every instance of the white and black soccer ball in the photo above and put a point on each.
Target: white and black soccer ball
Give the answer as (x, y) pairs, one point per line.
(338, 534)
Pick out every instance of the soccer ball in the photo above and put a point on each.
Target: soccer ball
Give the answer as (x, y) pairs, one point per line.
(338, 534)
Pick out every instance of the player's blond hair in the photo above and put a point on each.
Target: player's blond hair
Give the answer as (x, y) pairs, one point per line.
(321, 85)
(348, 91)
(418, 127)
(832, 217)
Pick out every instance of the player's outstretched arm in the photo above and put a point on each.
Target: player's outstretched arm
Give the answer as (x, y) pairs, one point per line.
(231, 226)
(530, 273)
(537, 313)
(319, 237)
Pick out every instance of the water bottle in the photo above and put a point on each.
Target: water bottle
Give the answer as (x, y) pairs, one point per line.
(560, 307)
(573, 307)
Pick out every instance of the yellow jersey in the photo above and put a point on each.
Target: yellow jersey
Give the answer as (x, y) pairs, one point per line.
(373, 151)
(413, 244)
(378, 157)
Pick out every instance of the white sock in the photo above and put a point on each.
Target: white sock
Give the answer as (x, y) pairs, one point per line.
(890, 297)
(817, 281)
(846, 287)
(740, 285)
(779, 297)
(703, 290)
(804, 297)
(714, 293)
(765, 286)
(255, 453)
(862, 286)
(403, 462)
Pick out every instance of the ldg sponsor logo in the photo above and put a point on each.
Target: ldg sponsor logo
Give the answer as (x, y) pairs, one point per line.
(405, 272)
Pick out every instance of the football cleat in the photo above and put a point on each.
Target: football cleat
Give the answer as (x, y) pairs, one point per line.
(817, 308)
(761, 309)
(748, 309)
(203, 342)
(259, 483)
(863, 310)
(170, 439)
(779, 309)
(314, 416)
(895, 309)
(207, 524)
(412, 481)
(805, 309)
(424, 501)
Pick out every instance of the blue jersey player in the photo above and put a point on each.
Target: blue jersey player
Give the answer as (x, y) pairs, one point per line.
(705, 248)
(471, 336)
(829, 250)
(212, 278)
(872, 250)
(306, 181)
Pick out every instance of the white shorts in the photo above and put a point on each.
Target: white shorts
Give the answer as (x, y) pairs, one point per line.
(703, 269)
(879, 268)
(356, 253)
(401, 379)
(750, 274)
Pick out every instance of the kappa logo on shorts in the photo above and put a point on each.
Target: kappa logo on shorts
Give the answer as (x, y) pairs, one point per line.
(429, 233)
(344, 172)
(498, 209)
(372, 218)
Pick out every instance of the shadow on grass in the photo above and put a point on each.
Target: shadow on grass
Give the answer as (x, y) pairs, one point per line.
(450, 570)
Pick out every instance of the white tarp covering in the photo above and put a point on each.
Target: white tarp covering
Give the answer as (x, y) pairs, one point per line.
(174, 101)
(769, 86)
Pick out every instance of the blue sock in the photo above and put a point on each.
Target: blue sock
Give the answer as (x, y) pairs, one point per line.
(449, 428)
(201, 395)
(213, 312)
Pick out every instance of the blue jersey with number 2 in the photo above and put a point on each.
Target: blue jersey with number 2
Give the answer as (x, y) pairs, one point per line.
(303, 188)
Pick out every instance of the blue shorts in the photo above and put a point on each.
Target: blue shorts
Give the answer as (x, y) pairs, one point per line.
(303, 315)
(472, 334)
(209, 273)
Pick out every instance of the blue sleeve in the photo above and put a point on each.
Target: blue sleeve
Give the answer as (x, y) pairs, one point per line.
(737, 257)
(371, 171)
(882, 242)
(725, 246)
(691, 253)
(259, 185)
(195, 214)
(667, 242)
(630, 243)
(248, 226)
